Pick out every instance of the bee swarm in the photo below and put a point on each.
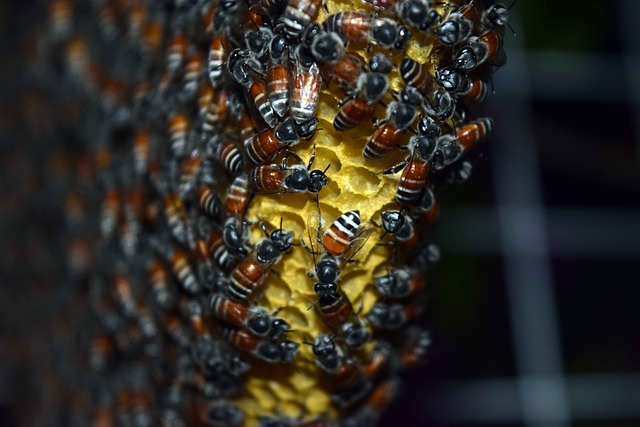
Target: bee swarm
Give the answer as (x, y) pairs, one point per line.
(264, 176)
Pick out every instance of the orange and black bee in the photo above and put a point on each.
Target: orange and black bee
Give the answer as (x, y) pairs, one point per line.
(248, 277)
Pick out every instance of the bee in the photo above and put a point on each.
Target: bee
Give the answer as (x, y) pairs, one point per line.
(278, 76)
(258, 42)
(480, 50)
(248, 277)
(399, 283)
(328, 354)
(363, 27)
(335, 307)
(288, 179)
(305, 88)
(355, 334)
(228, 153)
(218, 250)
(400, 115)
(380, 398)
(429, 127)
(124, 295)
(392, 316)
(177, 331)
(342, 234)
(255, 320)
(192, 74)
(176, 216)
(452, 146)
(297, 14)
(208, 201)
(190, 166)
(427, 209)
(193, 311)
(380, 63)
(110, 211)
(417, 14)
(381, 4)
(246, 126)
(471, 92)
(257, 91)
(176, 52)
(160, 285)
(325, 47)
(184, 272)
(437, 101)
(238, 195)
(178, 129)
(206, 273)
(264, 145)
(141, 151)
(60, 18)
(497, 15)
(216, 111)
(222, 413)
(401, 226)
(269, 351)
(458, 26)
(234, 235)
(359, 107)
(414, 351)
(416, 170)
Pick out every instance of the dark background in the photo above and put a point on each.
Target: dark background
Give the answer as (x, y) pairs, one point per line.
(534, 311)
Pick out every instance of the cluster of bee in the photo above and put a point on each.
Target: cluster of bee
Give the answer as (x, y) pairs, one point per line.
(191, 111)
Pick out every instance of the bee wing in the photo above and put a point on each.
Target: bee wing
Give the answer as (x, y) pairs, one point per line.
(356, 244)
(314, 229)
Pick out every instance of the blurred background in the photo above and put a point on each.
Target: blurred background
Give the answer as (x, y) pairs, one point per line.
(535, 308)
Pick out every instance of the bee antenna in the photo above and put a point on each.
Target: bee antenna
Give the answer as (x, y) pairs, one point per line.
(264, 228)
(314, 303)
(324, 172)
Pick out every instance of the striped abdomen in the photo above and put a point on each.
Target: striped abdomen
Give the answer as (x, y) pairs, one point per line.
(258, 93)
(278, 88)
(238, 196)
(352, 113)
(339, 236)
(266, 179)
(262, 146)
(413, 179)
(246, 278)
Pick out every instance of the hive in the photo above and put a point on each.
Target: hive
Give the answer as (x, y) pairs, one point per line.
(250, 210)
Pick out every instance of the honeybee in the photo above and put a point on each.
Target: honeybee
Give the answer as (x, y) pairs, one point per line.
(392, 316)
(248, 277)
(415, 170)
(417, 13)
(389, 133)
(370, 88)
(298, 14)
(487, 48)
(452, 146)
(284, 179)
(364, 27)
(270, 351)
(264, 145)
(278, 76)
(437, 101)
(256, 320)
(305, 88)
(400, 283)
(217, 56)
(238, 195)
(400, 225)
